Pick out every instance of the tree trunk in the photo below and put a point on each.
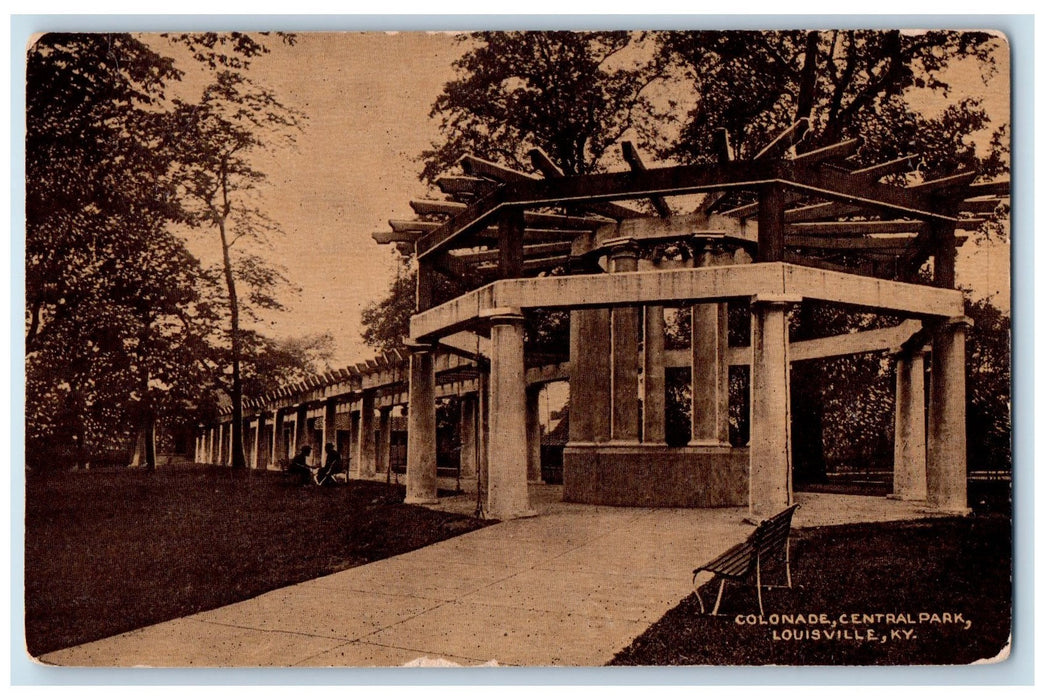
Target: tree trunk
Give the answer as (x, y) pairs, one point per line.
(238, 459)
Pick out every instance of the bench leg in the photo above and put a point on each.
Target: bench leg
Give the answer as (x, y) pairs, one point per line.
(758, 584)
(696, 592)
(718, 599)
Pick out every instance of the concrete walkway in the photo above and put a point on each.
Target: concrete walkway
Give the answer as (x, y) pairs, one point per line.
(571, 587)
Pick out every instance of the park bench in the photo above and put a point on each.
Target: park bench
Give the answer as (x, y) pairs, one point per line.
(771, 539)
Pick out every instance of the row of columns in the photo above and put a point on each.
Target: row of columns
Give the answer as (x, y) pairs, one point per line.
(929, 456)
(371, 452)
(500, 428)
(605, 343)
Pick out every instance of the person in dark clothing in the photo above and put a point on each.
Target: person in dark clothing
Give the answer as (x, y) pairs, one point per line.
(333, 466)
(299, 465)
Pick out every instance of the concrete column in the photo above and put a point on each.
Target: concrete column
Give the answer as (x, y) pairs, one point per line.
(367, 444)
(590, 397)
(329, 428)
(384, 440)
(909, 434)
(770, 452)
(208, 452)
(196, 449)
(710, 377)
(484, 439)
(421, 484)
(624, 257)
(709, 346)
(533, 434)
(255, 448)
(946, 475)
(654, 398)
(278, 448)
(353, 444)
(508, 490)
(221, 444)
(469, 435)
(301, 430)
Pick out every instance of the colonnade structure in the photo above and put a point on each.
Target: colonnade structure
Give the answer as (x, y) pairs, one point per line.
(770, 233)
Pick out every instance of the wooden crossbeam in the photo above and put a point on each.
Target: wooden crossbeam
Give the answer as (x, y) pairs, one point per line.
(998, 188)
(530, 251)
(385, 237)
(980, 206)
(838, 185)
(478, 167)
(472, 186)
(892, 167)
(543, 162)
(836, 151)
(631, 155)
(401, 225)
(424, 207)
(849, 244)
(785, 140)
(944, 183)
(532, 218)
(532, 265)
(856, 228)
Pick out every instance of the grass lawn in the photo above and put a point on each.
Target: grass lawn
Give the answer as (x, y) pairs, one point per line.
(958, 566)
(108, 552)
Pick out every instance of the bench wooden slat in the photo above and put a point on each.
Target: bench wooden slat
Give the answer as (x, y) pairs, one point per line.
(739, 562)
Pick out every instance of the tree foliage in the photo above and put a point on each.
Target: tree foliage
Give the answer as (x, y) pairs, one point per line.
(122, 321)
(574, 94)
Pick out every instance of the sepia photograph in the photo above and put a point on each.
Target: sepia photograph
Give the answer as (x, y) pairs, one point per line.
(527, 348)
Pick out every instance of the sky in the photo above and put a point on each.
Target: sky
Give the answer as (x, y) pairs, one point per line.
(367, 97)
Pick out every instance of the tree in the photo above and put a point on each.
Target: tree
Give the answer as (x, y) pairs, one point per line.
(848, 84)
(574, 94)
(218, 137)
(104, 274)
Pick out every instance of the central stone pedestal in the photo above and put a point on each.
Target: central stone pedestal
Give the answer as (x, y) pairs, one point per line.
(655, 475)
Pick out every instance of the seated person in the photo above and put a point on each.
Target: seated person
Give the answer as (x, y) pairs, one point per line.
(299, 465)
(325, 477)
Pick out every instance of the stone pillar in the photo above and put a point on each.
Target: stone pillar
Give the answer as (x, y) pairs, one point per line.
(367, 445)
(624, 257)
(210, 447)
(329, 428)
(255, 448)
(654, 398)
(221, 444)
(484, 439)
(301, 431)
(590, 398)
(278, 448)
(384, 441)
(421, 484)
(770, 452)
(469, 435)
(709, 346)
(909, 434)
(353, 443)
(508, 490)
(946, 488)
(533, 434)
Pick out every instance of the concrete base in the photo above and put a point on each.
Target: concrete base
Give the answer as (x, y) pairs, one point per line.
(648, 475)
(410, 501)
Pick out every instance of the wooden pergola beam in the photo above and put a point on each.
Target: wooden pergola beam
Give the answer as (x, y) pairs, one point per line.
(543, 162)
(529, 251)
(835, 151)
(785, 140)
(856, 228)
(458, 184)
(634, 160)
(479, 167)
(897, 243)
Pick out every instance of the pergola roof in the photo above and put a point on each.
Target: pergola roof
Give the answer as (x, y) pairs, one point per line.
(833, 211)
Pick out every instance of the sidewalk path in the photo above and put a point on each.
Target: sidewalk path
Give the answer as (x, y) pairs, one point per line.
(571, 587)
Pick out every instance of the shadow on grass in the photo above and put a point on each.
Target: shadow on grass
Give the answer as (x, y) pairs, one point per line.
(108, 552)
(925, 592)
